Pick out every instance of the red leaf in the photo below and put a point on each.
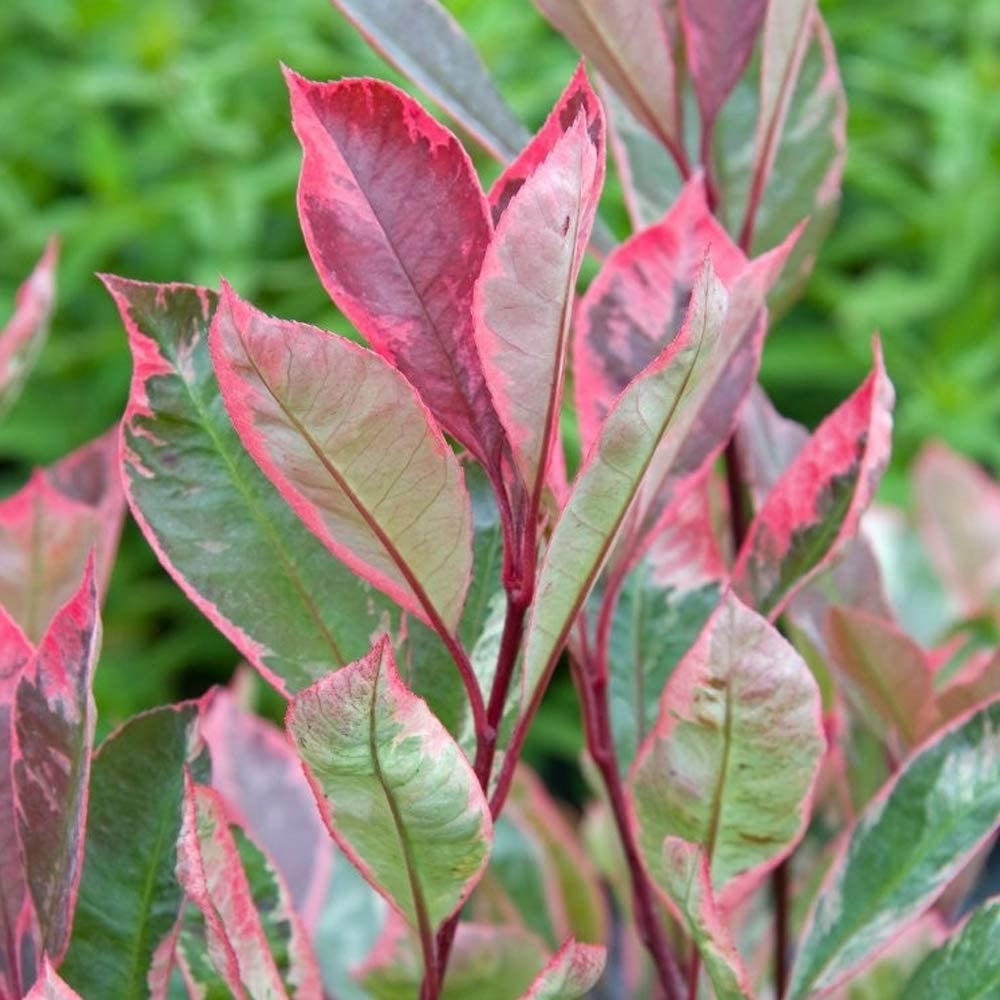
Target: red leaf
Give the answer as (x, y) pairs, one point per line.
(397, 225)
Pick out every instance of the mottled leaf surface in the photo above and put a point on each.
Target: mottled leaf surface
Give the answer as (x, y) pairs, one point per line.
(352, 449)
(129, 898)
(210, 514)
(570, 973)
(732, 762)
(394, 788)
(910, 841)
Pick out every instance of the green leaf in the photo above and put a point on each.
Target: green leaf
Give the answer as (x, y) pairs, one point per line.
(905, 847)
(570, 974)
(732, 762)
(394, 788)
(211, 515)
(129, 898)
(967, 966)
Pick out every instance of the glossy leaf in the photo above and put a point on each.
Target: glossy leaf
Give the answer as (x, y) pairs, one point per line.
(815, 507)
(129, 899)
(254, 938)
(255, 769)
(355, 453)
(570, 973)
(689, 885)
(21, 340)
(892, 867)
(49, 986)
(967, 966)
(732, 763)
(397, 226)
(524, 293)
(48, 528)
(395, 790)
(54, 719)
(210, 514)
(425, 43)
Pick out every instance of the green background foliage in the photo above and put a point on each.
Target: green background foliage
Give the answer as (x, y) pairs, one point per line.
(154, 138)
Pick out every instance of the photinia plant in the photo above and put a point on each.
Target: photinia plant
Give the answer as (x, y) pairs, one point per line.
(791, 794)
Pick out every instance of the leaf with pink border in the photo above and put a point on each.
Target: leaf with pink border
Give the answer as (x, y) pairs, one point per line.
(572, 972)
(978, 681)
(21, 340)
(713, 771)
(49, 986)
(815, 507)
(394, 789)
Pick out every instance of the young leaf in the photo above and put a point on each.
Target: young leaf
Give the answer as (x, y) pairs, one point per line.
(129, 899)
(689, 885)
(719, 36)
(524, 293)
(394, 789)
(892, 867)
(48, 528)
(635, 306)
(210, 514)
(714, 772)
(21, 340)
(967, 966)
(255, 769)
(397, 225)
(815, 507)
(49, 986)
(425, 43)
(352, 449)
(253, 937)
(54, 719)
(572, 972)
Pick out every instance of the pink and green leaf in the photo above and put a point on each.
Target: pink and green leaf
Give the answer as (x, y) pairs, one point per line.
(732, 763)
(210, 514)
(815, 507)
(354, 452)
(394, 789)
(49, 986)
(397, 226)
(689, 885)
(129, 900)
(53, 732)
(571, 973)
(23, 337)
(892, 868)
(977, 682)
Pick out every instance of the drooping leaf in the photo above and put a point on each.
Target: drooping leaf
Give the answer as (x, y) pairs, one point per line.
(256, 770)
(210, 514)
(719, 36)
(395, 790)
(424, 42)
(49, 986)
(815, 507)
(889, 670)
(54, 719)
(524, 294)
(48, 528)
(486, 963)
(689, 885)
(904, 849)
(253, 937)
(397, 226)
(352, 449)
(958, 515)
(732, 763)
(22, 339)
(635, 306)
(570, 973)
(967, 966)
(129, 899)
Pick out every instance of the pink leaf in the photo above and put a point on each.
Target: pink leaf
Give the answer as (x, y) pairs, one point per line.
(22, 338)
(348, 444)
(50, 525)
(978, 681)
(524, 294)
(49, 986)
(397, 225)
(816, 505)
(719, 36)
(54, 718)
(570, 973)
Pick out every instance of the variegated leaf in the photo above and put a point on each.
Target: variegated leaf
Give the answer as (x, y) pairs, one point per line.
(572, 972)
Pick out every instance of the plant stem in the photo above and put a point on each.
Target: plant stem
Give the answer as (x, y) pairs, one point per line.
(779, 896)
(694, 973)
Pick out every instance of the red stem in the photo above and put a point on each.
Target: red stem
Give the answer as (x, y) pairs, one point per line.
(779, 896)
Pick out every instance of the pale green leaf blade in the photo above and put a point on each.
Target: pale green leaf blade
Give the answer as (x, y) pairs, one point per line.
(570, 974)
